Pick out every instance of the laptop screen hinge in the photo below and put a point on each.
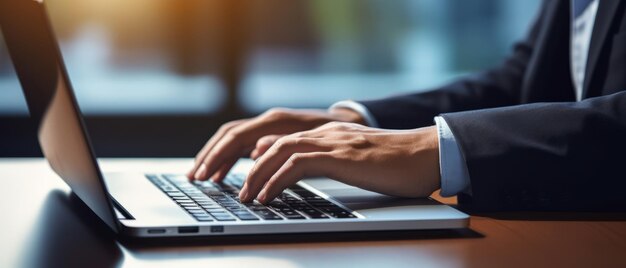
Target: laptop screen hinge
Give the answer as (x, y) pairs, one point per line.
(120, 212)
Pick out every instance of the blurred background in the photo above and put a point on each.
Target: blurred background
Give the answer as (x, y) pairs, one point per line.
(158, 77)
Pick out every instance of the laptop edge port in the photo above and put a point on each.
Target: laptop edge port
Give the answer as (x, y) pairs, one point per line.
(217, 229)
(188, 230)
(156, 231)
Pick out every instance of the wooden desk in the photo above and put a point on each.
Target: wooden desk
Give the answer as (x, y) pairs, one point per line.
(42, 225)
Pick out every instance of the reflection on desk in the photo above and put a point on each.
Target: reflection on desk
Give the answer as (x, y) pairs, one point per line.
(68, 234)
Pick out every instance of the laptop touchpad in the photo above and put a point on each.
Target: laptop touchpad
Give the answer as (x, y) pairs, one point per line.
(371, 204)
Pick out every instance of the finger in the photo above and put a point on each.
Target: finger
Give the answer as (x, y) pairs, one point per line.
(263, 144)
(235, 143)
(299, 166)
(273, 159)
(254, 154)
(232, 145)
(223, 171)
(207, 147)
(216, 137)
(225, 151)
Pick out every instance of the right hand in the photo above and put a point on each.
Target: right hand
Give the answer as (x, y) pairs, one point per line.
(255, 135)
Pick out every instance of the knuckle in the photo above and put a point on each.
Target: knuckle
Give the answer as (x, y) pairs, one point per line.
(296, 159)
(279, 147)
(227, 126)
(271, 184)
(234, 134)
(279, 143)
(299, 136)
(275, 113)
(207, 160)
(293, 140)
(263, 141)
(332, 124)
(287, 143)
(343, 126)
(282, 143)
(335, 125)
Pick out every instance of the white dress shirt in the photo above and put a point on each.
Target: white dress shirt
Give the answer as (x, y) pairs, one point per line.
(582, 27)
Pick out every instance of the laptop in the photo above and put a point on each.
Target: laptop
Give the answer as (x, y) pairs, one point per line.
(168, 205)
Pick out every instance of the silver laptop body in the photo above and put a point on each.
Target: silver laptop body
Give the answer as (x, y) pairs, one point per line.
(167, 205)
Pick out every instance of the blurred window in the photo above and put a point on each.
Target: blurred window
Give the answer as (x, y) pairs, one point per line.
(161, 56)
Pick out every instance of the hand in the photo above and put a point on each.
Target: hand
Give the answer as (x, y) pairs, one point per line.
(238, 138)
(395, 162)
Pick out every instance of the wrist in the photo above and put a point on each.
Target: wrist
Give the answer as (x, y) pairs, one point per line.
(346, 115)
(426, 152)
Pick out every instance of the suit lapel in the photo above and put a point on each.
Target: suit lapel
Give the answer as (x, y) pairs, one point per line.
(550, 61)
(601, 27)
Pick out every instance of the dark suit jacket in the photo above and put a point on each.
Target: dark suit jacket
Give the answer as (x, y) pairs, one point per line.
(527, 143)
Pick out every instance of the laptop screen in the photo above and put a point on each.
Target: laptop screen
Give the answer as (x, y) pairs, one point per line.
(52, 104)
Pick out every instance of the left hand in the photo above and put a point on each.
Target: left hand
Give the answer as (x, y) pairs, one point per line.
(394, 162)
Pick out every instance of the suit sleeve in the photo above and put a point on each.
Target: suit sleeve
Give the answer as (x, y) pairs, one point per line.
(545, 156)
(497, 87)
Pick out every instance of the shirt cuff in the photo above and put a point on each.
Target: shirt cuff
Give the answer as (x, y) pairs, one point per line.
(359, 108)
(454, 174)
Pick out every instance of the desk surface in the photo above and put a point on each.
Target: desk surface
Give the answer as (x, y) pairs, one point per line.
(43, 225)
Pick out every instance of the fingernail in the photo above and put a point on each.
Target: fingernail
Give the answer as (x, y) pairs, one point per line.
(262, 197)
(216, 176)
(201, 173)
(243, 193)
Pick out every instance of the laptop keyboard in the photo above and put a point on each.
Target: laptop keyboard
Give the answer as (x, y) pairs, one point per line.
(207, 201)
